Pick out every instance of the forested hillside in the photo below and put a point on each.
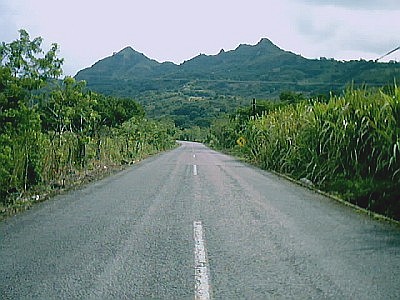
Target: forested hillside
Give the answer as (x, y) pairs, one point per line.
(56, 133)
(211, 84)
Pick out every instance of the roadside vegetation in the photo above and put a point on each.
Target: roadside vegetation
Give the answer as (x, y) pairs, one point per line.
(55, 133)
(346, 145)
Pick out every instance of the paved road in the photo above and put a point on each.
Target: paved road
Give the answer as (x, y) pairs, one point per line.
(196, 222)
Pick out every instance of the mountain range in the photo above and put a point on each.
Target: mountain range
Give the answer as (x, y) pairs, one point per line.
(227, 79)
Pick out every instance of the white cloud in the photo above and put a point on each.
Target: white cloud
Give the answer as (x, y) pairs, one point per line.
(343, 33)
(357, 4)
(8, 25)
(177, 30)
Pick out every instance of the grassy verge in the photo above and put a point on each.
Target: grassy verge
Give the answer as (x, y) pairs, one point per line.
(348, 146)
(19, 202)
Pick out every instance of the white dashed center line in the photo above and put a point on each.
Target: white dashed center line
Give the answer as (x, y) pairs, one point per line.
(202, 286)
(194, 169)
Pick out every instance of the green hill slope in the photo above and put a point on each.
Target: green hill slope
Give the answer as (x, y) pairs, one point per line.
(202, 87)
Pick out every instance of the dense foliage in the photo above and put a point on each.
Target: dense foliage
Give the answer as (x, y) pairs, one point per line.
(52, 132)
(349, 145)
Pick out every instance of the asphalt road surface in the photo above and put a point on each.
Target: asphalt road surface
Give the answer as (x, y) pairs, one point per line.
(194, 223)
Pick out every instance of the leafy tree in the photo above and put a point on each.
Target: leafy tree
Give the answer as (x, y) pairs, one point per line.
(115, 111)
(290, 97)
(70, 107)
(52, 130)
(26, 60)
(19, 135)
(24, 67)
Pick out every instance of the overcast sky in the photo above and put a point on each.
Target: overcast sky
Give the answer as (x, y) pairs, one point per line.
(177, 30)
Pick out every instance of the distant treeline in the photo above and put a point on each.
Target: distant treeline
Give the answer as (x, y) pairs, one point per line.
(347, 145)
(53, 132)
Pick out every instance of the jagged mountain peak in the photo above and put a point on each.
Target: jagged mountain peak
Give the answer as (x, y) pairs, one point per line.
(272, 68)
(126, 62)
(264, 45)
(128, 53)
(265, 42)
(127, 49)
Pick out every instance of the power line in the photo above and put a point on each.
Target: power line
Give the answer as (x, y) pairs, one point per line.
(390, 52)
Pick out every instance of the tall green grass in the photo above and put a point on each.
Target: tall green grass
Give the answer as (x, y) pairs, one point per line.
(348, 146)
(39, 162)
